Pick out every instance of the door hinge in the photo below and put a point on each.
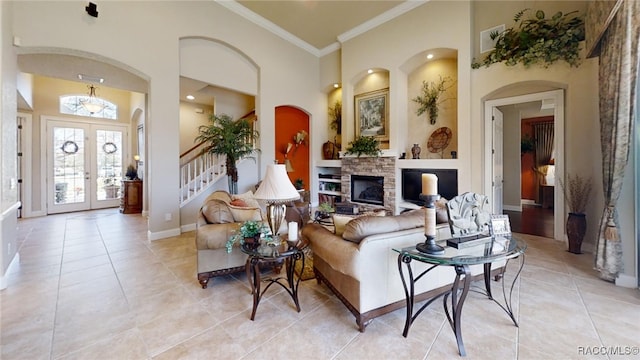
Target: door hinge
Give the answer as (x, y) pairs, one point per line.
(493, 118)
(20, 154)
(19, 181)
(493, 151)
(20, 127)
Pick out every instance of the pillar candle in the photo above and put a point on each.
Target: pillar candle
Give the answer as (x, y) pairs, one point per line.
(429, 184)
(430, 222)
(293, 231)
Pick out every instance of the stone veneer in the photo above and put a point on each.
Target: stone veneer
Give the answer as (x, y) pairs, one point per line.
(384, 166)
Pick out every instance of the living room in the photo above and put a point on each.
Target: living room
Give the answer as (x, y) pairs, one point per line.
(136, 36)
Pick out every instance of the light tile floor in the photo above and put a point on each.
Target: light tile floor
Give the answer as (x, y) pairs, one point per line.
(90, 286)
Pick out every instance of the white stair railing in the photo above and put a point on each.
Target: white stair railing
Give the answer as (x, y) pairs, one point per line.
(198, 173)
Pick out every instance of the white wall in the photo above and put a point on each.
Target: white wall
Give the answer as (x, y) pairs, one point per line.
(151, 49)
(8, 156)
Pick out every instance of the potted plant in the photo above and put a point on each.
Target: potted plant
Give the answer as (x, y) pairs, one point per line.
(233, 138)
(364, 145)
(132, 173)
(429, 98)
(299, 184)
(538, 40)
(249, 232)
(576, 192)
(324, 209)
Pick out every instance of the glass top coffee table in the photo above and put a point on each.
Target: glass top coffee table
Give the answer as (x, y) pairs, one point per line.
(492, 249)
(270, 253)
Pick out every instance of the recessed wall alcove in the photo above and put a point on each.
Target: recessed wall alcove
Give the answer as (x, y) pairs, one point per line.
(419, 68)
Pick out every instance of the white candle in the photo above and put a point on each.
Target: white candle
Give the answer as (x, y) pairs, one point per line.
(429, 184)
(293, 231)
(430, 222)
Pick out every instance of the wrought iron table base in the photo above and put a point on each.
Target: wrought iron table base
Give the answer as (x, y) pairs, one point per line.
(291, 285)
(458, 295)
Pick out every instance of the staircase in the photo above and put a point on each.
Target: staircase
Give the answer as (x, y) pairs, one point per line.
(198, 171)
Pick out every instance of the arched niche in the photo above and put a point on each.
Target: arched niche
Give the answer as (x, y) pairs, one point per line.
(290, 120)
(418, 69)
(374, 81)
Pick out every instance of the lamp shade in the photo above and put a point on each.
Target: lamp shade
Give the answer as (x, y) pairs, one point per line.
(276, 186)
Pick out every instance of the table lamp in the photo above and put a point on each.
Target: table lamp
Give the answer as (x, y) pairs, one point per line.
(430, 196)
(276, 189)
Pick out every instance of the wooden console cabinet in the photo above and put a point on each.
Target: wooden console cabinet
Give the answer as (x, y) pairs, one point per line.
(131, 200)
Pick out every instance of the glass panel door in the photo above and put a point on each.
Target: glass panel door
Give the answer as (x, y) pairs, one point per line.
(67, 168)
(84, 165)
(108, 148)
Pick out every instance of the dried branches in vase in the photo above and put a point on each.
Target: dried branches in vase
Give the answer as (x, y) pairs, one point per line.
(577, 192)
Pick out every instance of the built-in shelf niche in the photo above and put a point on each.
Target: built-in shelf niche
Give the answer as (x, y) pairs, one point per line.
(419, 129)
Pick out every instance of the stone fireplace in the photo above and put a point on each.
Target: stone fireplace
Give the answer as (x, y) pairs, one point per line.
(373, 176)
(367, 189)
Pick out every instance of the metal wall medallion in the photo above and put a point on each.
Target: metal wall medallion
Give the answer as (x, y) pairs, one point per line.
(109, 147)
(69, 147)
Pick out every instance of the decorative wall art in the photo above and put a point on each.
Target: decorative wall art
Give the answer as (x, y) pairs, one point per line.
(372, 114)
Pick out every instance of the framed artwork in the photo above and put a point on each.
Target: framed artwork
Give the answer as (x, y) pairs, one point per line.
(500, 225)
(372, 114)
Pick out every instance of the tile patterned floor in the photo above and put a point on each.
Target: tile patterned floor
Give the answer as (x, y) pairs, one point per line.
(90, 286)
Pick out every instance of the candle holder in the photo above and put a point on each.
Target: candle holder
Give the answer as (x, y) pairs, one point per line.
(430, 246)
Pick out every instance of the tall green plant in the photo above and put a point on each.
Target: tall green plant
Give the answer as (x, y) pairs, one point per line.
(232, 138)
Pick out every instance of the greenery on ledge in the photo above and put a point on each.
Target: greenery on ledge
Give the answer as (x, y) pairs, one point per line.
(538, 40)
(364, 145)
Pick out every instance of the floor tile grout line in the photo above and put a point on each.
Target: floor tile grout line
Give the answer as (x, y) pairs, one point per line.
(55, 315)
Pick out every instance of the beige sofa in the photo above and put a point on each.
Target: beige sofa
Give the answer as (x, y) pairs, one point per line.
(361, 268)
(219, 217)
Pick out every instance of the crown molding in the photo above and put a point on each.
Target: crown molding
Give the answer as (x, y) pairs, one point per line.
(238, 9)
(268, 25)
(381, 19)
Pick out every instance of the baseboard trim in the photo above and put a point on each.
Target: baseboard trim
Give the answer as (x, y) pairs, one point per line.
(627, 281)
(188, 227)
(517, 208)
(528, 202)
(4, 278)
(152, 236)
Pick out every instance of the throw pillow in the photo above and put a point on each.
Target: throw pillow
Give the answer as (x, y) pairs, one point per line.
(241, 214)
(247, 198)
(340, 222)
(217, 212)
(239, 203)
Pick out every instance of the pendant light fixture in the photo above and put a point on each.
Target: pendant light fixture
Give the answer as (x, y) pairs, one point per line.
(92, 105)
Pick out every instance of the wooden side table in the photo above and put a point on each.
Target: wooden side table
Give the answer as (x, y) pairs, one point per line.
(131, 200)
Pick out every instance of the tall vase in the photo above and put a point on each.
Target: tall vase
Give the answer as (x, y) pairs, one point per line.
(415, 151)
(576, 228)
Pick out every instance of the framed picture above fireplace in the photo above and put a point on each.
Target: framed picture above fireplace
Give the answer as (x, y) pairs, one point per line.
(372, 114)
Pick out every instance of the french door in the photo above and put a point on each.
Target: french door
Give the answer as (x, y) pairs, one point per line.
(84, 165)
